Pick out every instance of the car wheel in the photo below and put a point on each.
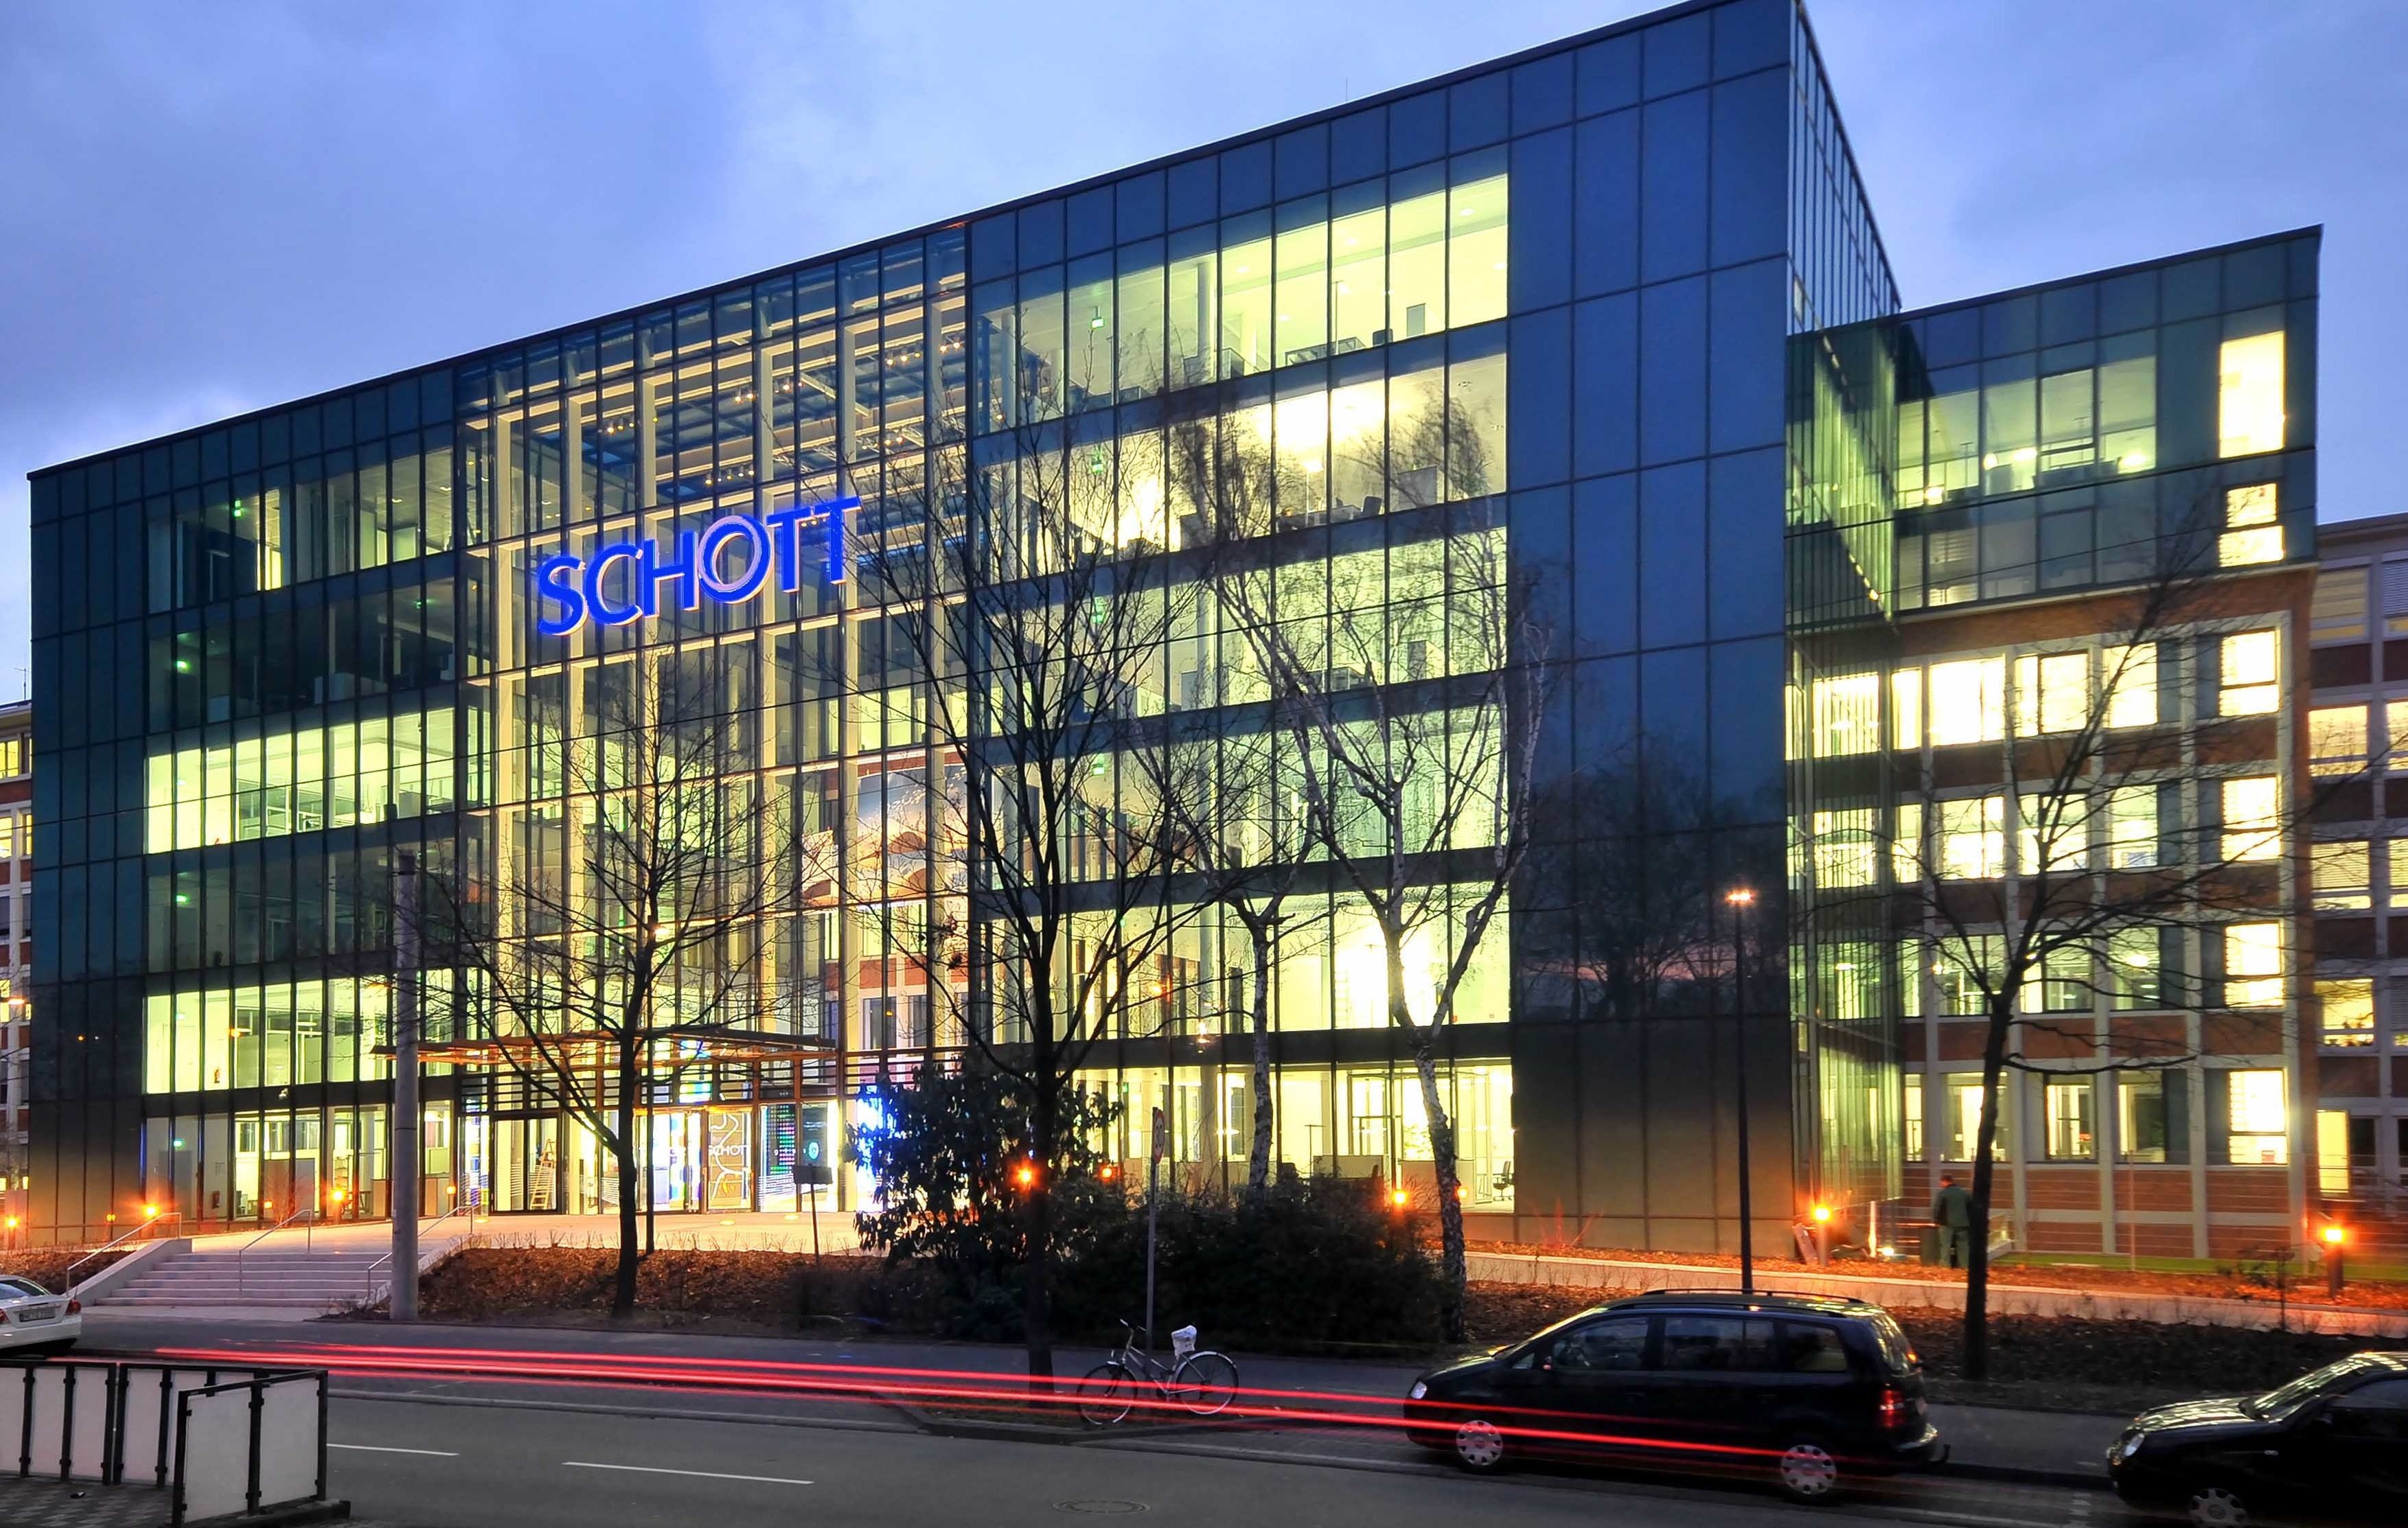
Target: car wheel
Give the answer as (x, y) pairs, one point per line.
(2217, 1506)
(1807, 1471)
(1479, 1445)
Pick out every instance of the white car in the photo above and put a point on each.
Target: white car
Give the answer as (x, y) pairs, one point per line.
(34, 1321)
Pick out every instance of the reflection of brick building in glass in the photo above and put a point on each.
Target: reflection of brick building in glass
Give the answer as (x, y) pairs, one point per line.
(16, 957)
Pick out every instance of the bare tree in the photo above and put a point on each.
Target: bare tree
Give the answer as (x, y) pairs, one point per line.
(2058, 881)
(616, 933)
(1038, 598)
(1410, 687)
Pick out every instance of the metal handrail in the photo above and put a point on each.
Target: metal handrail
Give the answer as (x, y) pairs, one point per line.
(113, 1243)
(469, 1208)
(308, 1232)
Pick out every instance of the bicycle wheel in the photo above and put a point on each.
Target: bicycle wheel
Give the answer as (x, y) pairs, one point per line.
(1106, 1393)
(1205, 1384)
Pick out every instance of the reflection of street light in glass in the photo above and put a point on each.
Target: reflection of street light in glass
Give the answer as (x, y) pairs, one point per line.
(1740, 899)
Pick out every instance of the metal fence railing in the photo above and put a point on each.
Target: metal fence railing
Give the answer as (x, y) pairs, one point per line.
(220, 1440)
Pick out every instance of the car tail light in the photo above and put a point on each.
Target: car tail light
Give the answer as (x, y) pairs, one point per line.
(4, 1317)
(74, 1306)
(1892, 1409)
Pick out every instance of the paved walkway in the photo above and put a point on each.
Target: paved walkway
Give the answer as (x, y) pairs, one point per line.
(752, 1232)
(2006, 1299)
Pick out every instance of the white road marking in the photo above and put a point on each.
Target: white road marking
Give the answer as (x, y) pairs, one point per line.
(372, 1448)
(706, 1474)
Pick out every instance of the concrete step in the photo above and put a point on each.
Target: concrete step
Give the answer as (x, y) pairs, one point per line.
(279, 1302)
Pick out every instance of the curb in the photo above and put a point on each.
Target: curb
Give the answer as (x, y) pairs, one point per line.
(2019, 1475)
(295, 1516)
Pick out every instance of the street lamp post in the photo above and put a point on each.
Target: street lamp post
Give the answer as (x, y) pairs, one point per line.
(1741, 898)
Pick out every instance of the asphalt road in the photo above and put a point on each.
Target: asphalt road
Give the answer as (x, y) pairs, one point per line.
(449, 1466)
(463, 1427)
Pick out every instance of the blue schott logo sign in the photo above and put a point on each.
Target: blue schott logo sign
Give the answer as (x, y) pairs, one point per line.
(707, 565)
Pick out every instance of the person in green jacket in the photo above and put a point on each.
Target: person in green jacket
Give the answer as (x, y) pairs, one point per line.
(1951, 1211)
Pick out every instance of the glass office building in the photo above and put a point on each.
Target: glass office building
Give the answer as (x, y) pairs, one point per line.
(273, 652)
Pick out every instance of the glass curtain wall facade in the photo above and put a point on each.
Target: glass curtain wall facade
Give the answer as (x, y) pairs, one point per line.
(1545, 302)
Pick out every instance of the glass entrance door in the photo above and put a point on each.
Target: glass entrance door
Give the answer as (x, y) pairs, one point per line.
(676, 1159)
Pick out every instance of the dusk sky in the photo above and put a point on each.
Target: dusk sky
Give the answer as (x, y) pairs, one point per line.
(211, 209)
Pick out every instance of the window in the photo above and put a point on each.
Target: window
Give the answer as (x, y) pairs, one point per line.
(2051, 692)
(8, 837)
(2129, 677)
(2063, 983)
(2339, 875)
(2069, 1136)
(1618, 1346)
(2398, 855)
(1906, 845)
(2251, 807)
(1969, 702)
(2348, 1010)
(1812, 1349)
(2249, 397)
(1912, 1092)
(16, 756)
(2253, 966)
(1846, 715)
(1716, 1344)
(2052, 834)
(2337, 739)
(2251, 531)
(2134, 956)
(2395, 596)
(1972, 838)
(1960, 985)
(2249, 683)
(1965, 1119)
(1910, 986)
(1906, 708)
(2339, 614)
(2257, 1117)
(2133, 827)
(1845, 852)
(2141, 1116)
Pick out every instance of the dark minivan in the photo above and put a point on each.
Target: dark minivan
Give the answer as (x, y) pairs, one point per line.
(1805, 1388)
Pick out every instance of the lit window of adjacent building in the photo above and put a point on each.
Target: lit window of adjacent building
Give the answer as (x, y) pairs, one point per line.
(2348, 1009)
(16, 756)
(2394, 589)
(2051, 692)
(1967, 701)
(2258, 1116)
(1845, 852)
(2252, 809)
(1913, 1108)
(1846, 715)
(2141, 1116)
(2070, 1136)
(1906, 845)
(2052, 834)
(2249, 397)
(1972, 838)
(1957, 980)
(2338, 613)
(2339, 875)
(2248, 674)
(2253, 966)
(2129, 677)
(2252, 534)
(8, 837)
(2337, 739)
(2063, 983)
(2395, 730)
(2133, 827)
(1906, 708)
(1964, 1122)
(2133, 958)
(2397, 854)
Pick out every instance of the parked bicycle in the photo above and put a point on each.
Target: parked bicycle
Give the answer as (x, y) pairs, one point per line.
(1202, 1383)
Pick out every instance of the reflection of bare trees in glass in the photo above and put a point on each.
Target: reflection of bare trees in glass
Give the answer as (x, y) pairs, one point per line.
(1034, 614)
(617, 933)
(1414, 785)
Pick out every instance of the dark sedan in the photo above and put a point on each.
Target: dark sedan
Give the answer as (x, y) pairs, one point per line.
(2330, 1445)
(1803, 1389)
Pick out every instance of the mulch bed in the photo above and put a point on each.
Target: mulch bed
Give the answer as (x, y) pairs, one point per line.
(2243, 1281)
(48, 1265)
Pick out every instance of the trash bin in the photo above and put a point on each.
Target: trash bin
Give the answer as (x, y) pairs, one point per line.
(1928, 1239)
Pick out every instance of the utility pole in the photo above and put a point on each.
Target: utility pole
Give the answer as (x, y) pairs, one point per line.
(1741, 898)
(402, 1305)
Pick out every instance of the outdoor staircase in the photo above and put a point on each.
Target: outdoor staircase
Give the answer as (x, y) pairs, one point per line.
(319, 1279)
